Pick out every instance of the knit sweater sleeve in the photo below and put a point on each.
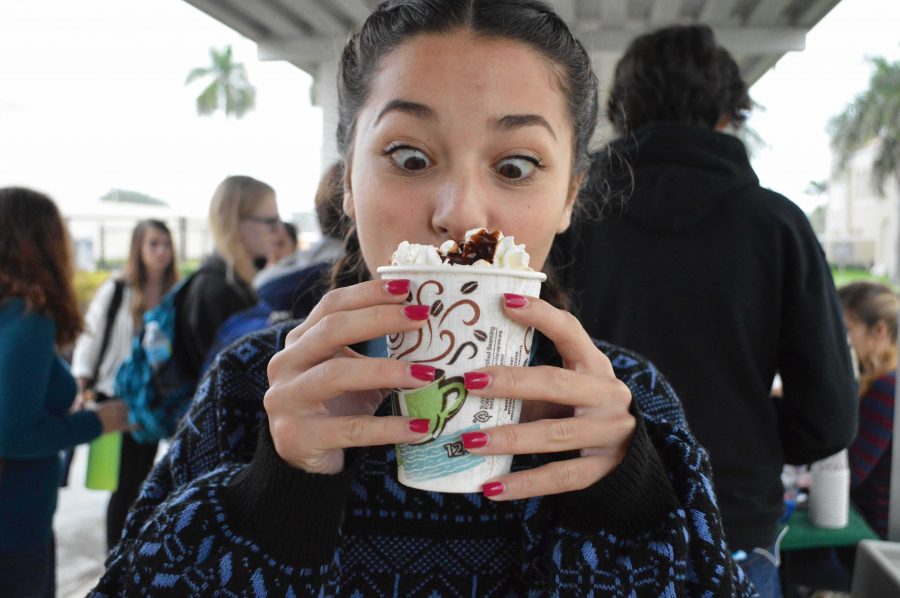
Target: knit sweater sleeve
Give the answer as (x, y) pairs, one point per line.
(652, 525)
(264, 526)
(653, 522)
(219, 428)
(651, 390)
(637, 492)
(876, 424)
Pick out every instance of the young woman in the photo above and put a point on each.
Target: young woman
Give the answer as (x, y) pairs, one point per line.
(244, 221)
(870, 311)
(149, 273)
(454, 114)
(38, 316)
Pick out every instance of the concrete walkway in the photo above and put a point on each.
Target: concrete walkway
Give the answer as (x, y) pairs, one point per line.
(80, 526)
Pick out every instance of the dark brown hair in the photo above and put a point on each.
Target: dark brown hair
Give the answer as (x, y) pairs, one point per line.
(677, 74)
(135, 271)
(531, 22)
(330, 203)
(36, 260)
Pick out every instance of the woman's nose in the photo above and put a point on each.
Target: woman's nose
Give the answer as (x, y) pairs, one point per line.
(460, 206)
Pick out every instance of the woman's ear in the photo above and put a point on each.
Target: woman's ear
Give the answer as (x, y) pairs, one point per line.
(349, 208)
(881, 331)
(565, 219)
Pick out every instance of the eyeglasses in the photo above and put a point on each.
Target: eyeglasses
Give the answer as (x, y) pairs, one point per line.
(273, 222)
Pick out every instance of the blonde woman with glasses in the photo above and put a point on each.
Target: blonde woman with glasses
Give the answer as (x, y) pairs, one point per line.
(244, 221)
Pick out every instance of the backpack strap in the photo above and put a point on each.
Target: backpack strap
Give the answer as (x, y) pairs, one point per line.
(111, 312)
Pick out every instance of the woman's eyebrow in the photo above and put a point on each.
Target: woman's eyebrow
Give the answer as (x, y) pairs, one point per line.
(514, 121)
(412, 108)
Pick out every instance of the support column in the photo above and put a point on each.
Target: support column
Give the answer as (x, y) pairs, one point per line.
(324, 95)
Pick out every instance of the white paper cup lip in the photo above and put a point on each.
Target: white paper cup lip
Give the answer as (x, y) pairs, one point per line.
(467, 270)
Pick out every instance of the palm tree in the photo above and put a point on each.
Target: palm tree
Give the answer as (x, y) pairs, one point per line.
(874, 115)
(230, 89)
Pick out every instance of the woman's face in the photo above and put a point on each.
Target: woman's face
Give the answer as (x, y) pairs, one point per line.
(156, 250)
(458, 133)
(260, 228)
(868, 343)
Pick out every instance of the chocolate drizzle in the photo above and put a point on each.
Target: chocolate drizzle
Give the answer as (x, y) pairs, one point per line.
(480, 246)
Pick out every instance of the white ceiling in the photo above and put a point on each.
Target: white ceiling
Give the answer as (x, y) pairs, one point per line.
(756, 32)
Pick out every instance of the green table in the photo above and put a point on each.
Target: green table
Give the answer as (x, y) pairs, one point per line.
(802, 534)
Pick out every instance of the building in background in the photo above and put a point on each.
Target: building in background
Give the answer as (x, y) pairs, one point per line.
(861, 225)
(101, 232)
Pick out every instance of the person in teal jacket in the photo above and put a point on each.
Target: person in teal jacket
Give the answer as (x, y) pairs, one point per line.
(38, 315)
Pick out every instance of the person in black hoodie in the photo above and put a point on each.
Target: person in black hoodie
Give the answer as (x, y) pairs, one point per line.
(718, 281)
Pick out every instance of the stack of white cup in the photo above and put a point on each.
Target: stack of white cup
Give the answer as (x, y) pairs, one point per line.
(829, 492)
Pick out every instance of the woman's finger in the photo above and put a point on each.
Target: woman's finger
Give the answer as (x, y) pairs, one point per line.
(331, 335)
(340, 329)
(358, 296)
(554, 478)
(330, 378)
(553, 436)
(562, 328)
(548, 383)
(321, 434)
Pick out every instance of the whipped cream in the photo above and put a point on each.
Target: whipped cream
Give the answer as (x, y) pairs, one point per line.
(479, 249)
(412, 253)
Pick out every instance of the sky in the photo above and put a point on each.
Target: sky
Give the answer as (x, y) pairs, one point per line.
(93, 97)
(805, 89)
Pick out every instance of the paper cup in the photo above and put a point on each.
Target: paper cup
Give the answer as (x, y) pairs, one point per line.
(829, 498)
(467, 329)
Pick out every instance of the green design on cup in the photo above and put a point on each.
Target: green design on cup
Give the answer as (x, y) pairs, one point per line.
(439, 402)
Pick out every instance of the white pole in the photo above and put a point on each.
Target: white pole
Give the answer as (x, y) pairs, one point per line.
(325, 97)
(894, 504)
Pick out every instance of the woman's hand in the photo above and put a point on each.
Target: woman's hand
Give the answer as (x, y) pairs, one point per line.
(84, 395)
(592, 403)
(322, 395)
(113, 416)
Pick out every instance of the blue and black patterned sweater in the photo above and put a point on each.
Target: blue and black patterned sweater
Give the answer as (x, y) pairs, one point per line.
(222, 514)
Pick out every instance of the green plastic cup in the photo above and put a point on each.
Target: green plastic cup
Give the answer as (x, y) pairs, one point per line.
(103, 462)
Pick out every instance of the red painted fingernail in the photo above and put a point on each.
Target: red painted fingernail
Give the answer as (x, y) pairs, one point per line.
(513, 300)
(493, 488)
(397, 287)
(474, 440)
(422, 372)
(476, 380)
(419, 426)
(416, 312)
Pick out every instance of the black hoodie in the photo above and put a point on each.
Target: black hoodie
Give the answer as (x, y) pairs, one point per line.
(214, 293)
(721, 284)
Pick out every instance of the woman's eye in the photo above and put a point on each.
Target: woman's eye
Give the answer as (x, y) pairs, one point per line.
(409, 158)
(517, 167)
